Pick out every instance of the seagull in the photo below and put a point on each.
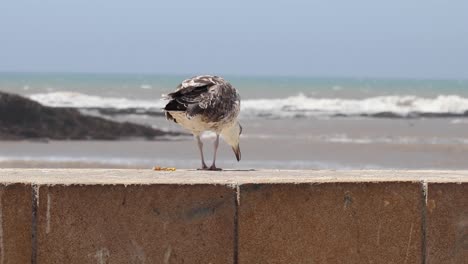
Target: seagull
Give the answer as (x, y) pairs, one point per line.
(207, 103)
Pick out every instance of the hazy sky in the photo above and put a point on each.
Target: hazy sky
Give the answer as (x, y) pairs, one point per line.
(359, 38)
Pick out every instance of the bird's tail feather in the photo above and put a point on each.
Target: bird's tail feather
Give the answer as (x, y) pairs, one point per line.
(170, 117)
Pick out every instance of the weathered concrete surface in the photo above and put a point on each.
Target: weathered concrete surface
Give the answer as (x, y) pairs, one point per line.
(447, 223)
(230, 177)
(145, 216)
(136, 224)
(330, 223)
(15, 223)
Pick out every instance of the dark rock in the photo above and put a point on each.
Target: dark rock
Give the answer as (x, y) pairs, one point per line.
(21, 118)
(126, 111)
(385, 115)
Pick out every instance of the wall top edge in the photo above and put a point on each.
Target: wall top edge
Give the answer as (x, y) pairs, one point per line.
(227, 177)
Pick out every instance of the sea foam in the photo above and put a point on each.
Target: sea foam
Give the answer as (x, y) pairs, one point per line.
(80, 100)
(301, 105)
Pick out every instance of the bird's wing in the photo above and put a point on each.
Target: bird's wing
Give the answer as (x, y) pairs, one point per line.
(190, 92)
(205, 95)
(191, 84)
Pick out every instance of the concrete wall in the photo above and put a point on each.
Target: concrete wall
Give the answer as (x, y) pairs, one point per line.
(136, 216)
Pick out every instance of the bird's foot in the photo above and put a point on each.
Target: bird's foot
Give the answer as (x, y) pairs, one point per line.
(204, 167)
(211, 168)
(214, 168)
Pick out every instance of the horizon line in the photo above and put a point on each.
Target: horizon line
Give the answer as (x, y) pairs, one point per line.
(245, 75)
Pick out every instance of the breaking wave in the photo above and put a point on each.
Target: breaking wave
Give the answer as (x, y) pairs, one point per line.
(80, 100)
(381, 106)
(299, 106)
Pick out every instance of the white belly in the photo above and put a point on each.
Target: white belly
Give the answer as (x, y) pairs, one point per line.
(195, 124)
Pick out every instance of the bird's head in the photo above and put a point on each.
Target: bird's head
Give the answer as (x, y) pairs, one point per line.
(231, 135)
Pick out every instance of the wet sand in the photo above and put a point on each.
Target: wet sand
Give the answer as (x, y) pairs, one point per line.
(337, 143)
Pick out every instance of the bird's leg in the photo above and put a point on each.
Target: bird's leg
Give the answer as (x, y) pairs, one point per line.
(216, 143)
(200, 147)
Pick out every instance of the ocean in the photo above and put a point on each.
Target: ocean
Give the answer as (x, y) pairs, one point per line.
(289, 122)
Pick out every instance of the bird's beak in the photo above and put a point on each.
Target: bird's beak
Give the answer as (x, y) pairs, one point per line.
(237, 151)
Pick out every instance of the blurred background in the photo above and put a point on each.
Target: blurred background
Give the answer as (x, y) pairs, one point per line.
(324, 84)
